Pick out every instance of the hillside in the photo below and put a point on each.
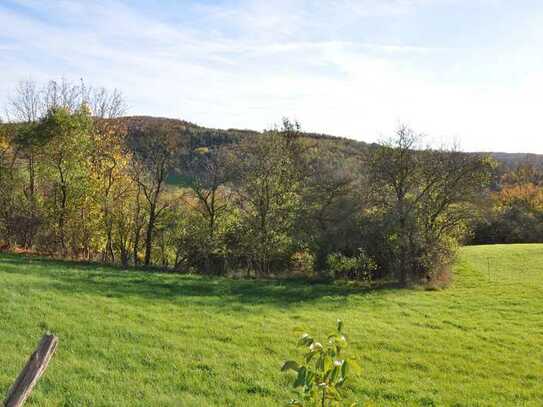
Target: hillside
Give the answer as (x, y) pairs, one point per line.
(134, 338)
(198, 136)
(512, 160)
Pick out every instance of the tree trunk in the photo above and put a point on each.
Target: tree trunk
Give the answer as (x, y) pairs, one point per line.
(109, 245)
(62, 215)
(149, 236)
(137, 228)
(403, 245)
(31, 197)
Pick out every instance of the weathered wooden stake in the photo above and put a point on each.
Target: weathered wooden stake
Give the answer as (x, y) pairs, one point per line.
(34, 369)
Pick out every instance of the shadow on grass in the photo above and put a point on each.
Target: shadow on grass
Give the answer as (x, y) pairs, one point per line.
(112, 282)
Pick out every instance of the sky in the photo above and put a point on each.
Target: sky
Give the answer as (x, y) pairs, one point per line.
(468, 72)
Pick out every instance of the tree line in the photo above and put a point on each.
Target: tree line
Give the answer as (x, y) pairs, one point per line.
(513, 209)
(80, 181)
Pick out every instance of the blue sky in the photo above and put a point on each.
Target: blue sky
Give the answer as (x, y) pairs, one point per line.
(462, 71)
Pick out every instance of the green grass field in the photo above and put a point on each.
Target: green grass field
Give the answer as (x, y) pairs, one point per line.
(131, 338)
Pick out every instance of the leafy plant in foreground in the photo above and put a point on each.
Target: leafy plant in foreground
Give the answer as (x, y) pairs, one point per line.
(323, 370)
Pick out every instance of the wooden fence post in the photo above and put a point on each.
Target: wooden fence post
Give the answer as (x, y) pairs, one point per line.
(34, 369)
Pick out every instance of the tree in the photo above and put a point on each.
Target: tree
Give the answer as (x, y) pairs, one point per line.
(66, 162)
(209, 174)
(266, 189)
(115, 186)
(62, 94)
(105, 103)
(332, 199)
(8, 183)
(514, 214)
(422, 195)
(155, 151)
(394, 172)
(30, 101)
(26, 106)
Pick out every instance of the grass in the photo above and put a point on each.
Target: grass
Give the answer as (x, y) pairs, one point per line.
(130, 338)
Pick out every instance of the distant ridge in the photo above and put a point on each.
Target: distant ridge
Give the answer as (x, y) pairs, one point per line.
(508, 159)
(207, 136)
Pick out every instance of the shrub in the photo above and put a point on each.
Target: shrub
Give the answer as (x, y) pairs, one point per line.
(360, 267)
(302, 262)
(323, 369)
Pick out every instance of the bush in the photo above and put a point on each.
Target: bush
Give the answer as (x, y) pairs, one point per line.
(360, 267)
(303, 262)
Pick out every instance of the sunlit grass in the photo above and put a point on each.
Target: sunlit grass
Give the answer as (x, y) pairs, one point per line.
(133, 338)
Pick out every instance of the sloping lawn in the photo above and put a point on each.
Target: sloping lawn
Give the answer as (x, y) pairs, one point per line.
(130, 338)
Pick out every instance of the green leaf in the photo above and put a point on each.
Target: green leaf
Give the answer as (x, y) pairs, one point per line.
(328, 363)
(344, 369)
(305, 340)
(339, 324)
(300, 379)
(316, 347)
(320, 363)
(308, 356)
(290, 365)
(309, 378)
(334, 374)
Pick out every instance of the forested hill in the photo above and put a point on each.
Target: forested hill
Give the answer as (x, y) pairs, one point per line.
(514, 159)
(193, 136)
(188, 137)
(198, 136)
(182, 125)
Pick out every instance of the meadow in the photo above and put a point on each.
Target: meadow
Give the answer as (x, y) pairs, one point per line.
(150, 339)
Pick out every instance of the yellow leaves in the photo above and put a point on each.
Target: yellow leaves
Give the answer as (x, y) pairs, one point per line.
(4, 141)
(4, 145)
(201, 150)
(527, 194)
